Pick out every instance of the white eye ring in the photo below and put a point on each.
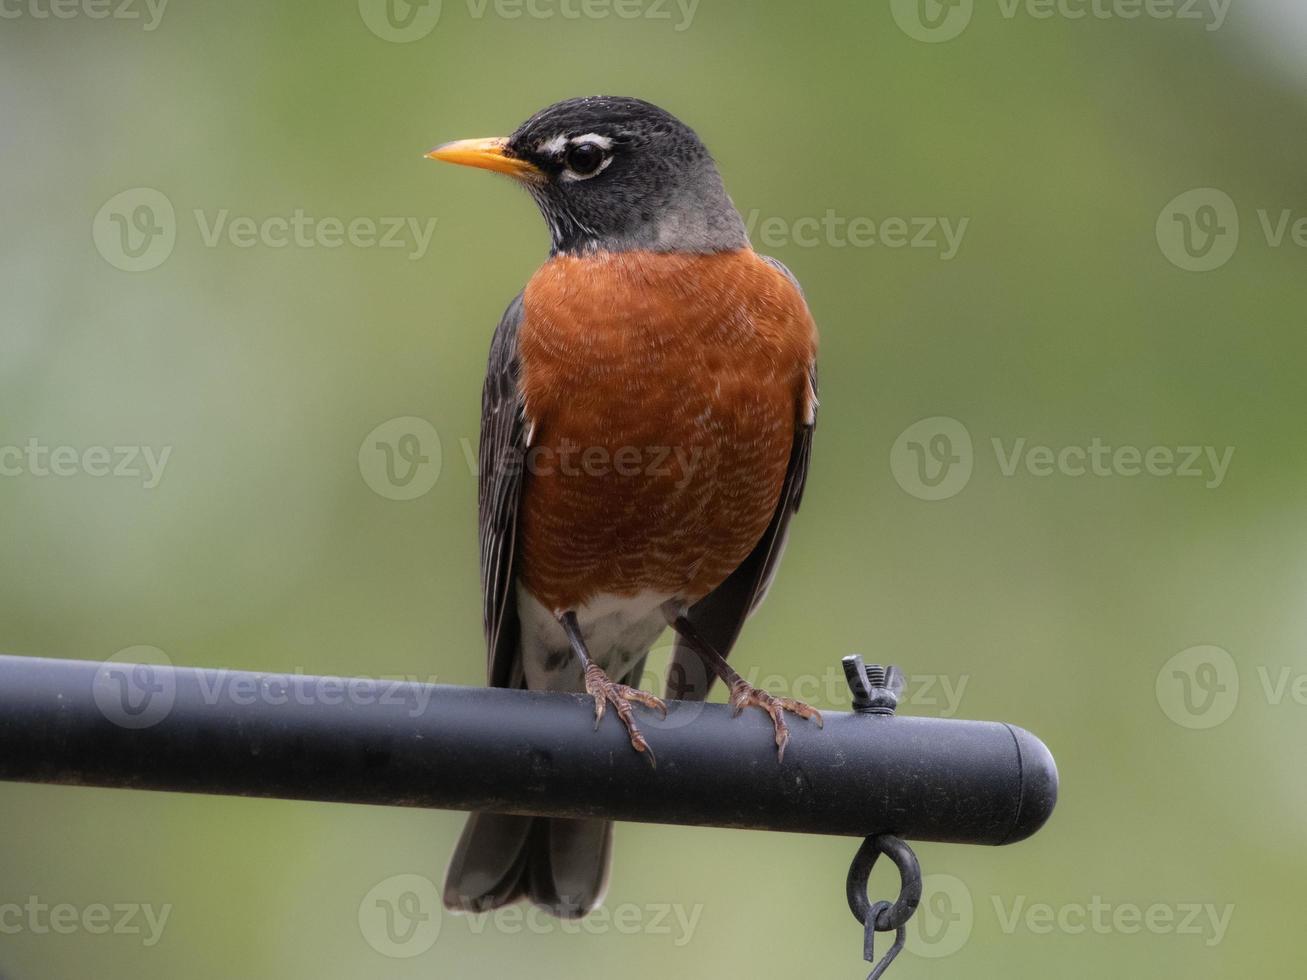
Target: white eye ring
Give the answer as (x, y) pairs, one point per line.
(570, 174)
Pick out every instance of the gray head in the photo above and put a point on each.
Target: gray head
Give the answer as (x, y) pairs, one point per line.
(613, 174)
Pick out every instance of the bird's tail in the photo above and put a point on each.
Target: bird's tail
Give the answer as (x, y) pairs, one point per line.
(559, 865)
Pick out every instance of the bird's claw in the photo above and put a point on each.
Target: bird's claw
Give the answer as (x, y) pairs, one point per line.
(606, 691)
(744, 695)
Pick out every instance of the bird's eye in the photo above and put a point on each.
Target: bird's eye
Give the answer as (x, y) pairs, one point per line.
(584, 159)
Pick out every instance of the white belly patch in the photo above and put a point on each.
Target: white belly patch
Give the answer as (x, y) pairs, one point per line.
(618, 631)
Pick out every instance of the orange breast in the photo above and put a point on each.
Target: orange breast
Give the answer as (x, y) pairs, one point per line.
(663, 393)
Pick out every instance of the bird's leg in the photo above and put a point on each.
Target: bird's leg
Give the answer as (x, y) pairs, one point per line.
(606, 691)
(744, 694)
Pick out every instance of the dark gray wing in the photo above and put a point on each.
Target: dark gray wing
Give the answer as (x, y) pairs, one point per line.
(719, 616)
(501, 462)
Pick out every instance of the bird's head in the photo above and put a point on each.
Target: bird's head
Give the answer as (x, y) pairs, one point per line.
(613, 174)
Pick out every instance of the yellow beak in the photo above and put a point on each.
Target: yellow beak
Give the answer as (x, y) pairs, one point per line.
(488, 154)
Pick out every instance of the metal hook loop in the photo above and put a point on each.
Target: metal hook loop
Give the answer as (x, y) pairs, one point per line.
(883, 916)
(869, 942)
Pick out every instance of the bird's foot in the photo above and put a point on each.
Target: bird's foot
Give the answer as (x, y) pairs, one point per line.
(744, 695)
(606, 691)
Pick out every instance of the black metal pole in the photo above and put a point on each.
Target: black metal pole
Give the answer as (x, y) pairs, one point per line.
(467, 748)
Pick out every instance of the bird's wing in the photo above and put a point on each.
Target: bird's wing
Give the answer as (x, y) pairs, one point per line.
(501, 464)
(719, 616)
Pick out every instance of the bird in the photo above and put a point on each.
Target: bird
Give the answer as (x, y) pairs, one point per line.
(646, 431)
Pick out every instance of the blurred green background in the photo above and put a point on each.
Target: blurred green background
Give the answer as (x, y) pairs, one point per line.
(1056, 602)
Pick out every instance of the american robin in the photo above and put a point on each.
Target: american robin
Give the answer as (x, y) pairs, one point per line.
(646, 426)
